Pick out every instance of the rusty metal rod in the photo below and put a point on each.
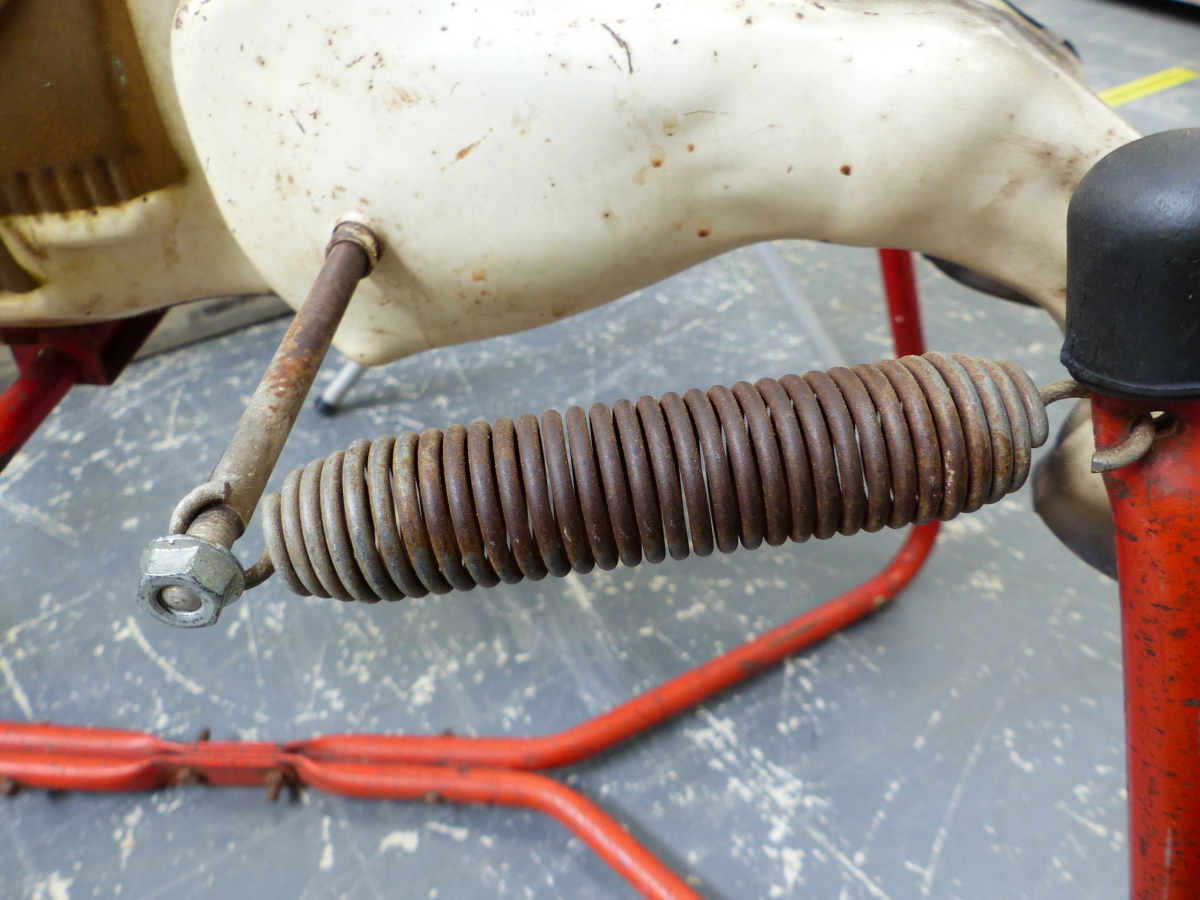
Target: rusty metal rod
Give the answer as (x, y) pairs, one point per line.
(263, 429)
(191, 574)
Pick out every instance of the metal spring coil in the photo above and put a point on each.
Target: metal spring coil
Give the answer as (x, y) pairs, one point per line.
(898, 442)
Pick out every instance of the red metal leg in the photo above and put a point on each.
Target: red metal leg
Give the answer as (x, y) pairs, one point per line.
(473, 770)
(32, 397)
(53, 360)
(1156, 507)
(904, 307)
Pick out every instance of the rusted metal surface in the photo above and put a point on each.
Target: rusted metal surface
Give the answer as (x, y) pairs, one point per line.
(1156, 508)
(1061, 390)
(250, 455)
(926, 450)
(1133, 446)
(201, 496)
(855, 449)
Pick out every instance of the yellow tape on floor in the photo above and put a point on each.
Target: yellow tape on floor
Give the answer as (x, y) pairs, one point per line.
(1150, 84)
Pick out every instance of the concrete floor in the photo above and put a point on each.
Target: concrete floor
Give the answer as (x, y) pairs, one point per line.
(966, 743)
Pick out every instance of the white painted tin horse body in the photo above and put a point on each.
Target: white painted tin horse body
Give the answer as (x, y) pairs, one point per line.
(524, 162)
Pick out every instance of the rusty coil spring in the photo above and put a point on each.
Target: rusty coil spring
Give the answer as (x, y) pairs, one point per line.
(898, 442)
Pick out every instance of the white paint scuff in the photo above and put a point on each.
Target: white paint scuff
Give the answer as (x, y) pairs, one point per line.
(451, 831)
(14, 687)
(131, 630)
(124, 836)
(405, 840)
(53, 887)
(326, 862)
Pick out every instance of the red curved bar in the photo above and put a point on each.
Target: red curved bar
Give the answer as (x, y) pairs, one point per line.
(648, 709)
(633, 862)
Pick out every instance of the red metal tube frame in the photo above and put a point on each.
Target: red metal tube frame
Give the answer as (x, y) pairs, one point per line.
(51, 361)
(473, 770)
(32, 397)
(1155, 504)
(903, 301)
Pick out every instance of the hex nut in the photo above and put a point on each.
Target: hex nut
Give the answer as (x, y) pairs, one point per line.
(209, 570)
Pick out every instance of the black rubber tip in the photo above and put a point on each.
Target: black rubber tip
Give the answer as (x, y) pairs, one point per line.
(326, 409)
(1133, 270)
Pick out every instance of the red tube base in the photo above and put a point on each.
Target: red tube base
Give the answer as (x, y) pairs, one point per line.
(1156, 507)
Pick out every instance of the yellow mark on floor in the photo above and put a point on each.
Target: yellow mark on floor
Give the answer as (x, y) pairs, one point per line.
(1150, 84)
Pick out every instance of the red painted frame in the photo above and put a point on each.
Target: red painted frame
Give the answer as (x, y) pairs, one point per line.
(1156, 509)
(51, 361)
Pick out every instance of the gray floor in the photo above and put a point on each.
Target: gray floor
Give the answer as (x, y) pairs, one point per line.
(964, 744)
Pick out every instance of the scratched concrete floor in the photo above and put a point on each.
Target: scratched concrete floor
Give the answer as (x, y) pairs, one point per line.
(965, 743)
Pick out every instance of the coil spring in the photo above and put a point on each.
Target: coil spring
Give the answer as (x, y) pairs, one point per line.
(898, 442)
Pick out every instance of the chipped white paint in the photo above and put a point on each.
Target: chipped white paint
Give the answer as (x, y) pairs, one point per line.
(848, 864)
(23, 512)
(1010, 743)
(52, 887)
(989, 582)
(421, 691)
(131, 630)
(1095, 828)
(576, 591)
(783, 799)
(963, 528)
(126, 843)
(14, 688)
(404, 840)
(451, 831)
(326, 861)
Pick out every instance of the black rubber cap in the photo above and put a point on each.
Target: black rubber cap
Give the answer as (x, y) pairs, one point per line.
(1133, 270)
